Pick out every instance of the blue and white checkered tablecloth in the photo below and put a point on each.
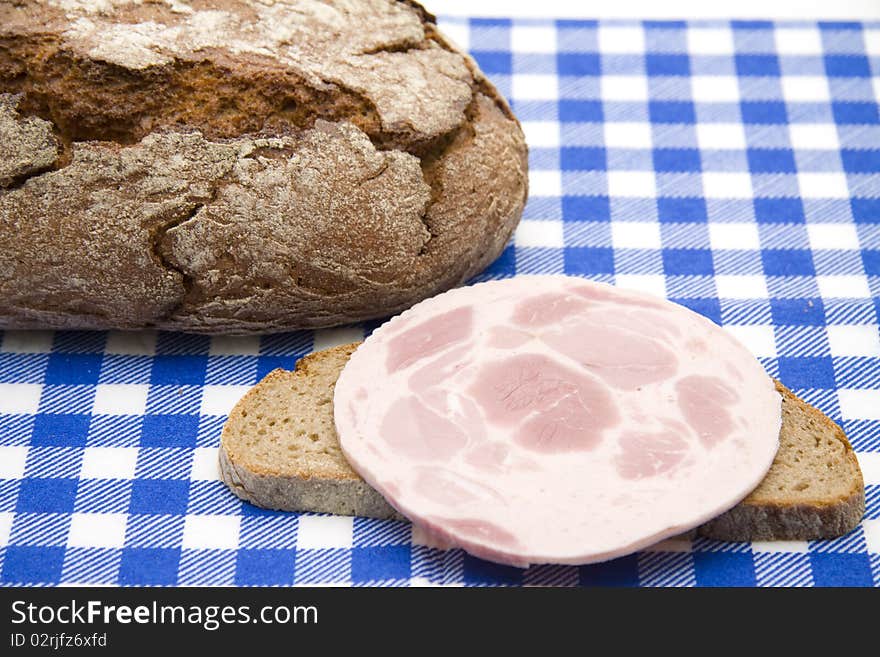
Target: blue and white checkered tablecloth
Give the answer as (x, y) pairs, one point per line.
(731, 167)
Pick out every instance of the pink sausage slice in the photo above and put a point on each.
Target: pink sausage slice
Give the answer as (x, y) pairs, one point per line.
(548, 419)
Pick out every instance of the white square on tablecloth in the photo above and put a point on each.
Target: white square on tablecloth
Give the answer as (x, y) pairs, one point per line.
(635, 235)
(109, 462)
(715, 88)
(219, 399)
(843, 286)
(730, 185)
(204, 465)
(872, 42)
(102, 530)
(823, 185)
(859, 404)
(458, 32)
(120, 398)
(736, 236)
(333, 337)
(741, 287)
(853, 340)
(871, 529)
(833, 236)
(624, 87)
(20, 397)
(131, 343)
(27, 342)
(710, 41)
(539, 233)
(613, 39)
(228, 345)
(869, 463)
(805, 88)
(12, 461)
(814, 136)
(6, 518)
(531, 86)
(541, 134)
(423, 582)
(654, 284)
(316, 532)
(798, 41)
(628, 135)
(633, 184)
(533, 38)
(211, 532)
(759, 547)
(545, 183)
(721, 136)
(758, 339)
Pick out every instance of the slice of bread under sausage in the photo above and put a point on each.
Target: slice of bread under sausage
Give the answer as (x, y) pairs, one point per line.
(279, 450)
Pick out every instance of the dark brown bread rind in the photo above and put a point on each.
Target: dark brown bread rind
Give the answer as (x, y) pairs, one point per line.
(238, 166)
(795, 501)
(781, 522)
(347, 497)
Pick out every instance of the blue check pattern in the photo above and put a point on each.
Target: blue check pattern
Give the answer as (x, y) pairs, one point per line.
(731, 167)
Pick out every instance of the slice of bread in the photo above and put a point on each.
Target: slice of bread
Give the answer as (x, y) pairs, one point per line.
(279, 450)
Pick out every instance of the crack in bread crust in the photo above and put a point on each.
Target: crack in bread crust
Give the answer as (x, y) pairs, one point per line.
(111, 112)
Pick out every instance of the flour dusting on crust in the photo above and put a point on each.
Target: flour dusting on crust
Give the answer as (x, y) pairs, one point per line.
(374, 47)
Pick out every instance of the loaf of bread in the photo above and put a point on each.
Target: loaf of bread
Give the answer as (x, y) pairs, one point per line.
(279, 450)
(241, 165)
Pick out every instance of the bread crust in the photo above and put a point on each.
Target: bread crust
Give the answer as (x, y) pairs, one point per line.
(238, 167)
(780, 522)
(341, 496)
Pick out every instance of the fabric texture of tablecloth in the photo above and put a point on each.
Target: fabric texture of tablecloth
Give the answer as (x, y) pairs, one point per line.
(733, 167)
